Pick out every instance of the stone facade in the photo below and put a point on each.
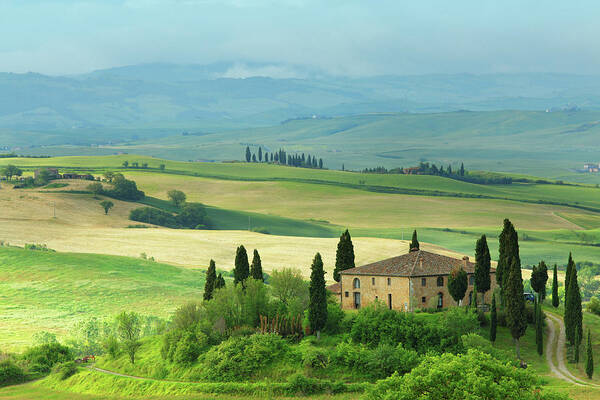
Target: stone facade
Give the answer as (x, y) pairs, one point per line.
(416, 280)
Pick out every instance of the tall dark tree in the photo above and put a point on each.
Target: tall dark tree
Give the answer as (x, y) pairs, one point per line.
(483, 262)
(344, 256)
(220, 282)
(317, 307)
(414, 243)
(211, 280)
(539, 335)
(555, 298)
(509, 252)
(515, 304)
(589, 362)
(241, 271)
(462, 169)
(458, 284)
(260, 154)
(539, 277)
(256, 271)
(253, 157)
(502, 253)
(320, 163)
(493, 320)
(577, 344)
(248, 154)
(573, 316)
(570, 267)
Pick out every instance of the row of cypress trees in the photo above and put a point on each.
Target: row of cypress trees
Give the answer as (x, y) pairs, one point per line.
(281, 157)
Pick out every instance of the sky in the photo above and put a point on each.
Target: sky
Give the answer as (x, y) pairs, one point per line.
(340, 37)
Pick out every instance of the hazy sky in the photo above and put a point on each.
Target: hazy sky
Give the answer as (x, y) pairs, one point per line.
(350, 37)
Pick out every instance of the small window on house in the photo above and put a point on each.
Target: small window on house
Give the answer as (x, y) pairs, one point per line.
(389, 281)
(346, 294)
(423, 281)
(440, 281)
(356, 283)
(423, 299)
(372, 281)
(471, 279)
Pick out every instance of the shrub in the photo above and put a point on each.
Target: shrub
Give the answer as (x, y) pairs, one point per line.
(111, 346)
(237, 359)
(335, 316)
(315, 358)
(299, 383)
(124, 189)
(10, 373)
(594, 306)
(192, 215)
(153, 216)
(42, 358)
(187, 350)
(66, 369)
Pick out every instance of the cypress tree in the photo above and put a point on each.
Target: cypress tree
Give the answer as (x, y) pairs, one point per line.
(344, 256)
(260, 154)
(220, 282)
(248, 155)
(502, 267)
(555, 298)
(573, 317)
(570, 265)
(317, 307)
(516, 319)
(589, 362)
(253, 157)
(414, 244)
(482, 267)
(577, 344)
(241, 271)
(539, 277)
(320, 163)
(539, 336)
(462, 169)
(211, 280)
(256, 268)
(493, 320)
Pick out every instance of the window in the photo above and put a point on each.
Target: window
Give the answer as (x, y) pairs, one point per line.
(390, 300)
(470, 298)
(356, 300)
(440, 303)
(346, 294)
(423, 299)
(471, 279)
(423, 281)
(440, 281)
(372, 281)
(389, 281)
(356, 283)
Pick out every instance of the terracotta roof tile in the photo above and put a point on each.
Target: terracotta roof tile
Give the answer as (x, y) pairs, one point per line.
(335, 288)
(414, 263)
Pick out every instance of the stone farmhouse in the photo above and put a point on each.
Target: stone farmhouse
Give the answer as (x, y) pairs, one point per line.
(418, 279)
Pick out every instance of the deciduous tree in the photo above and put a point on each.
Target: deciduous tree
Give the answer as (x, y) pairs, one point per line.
(106, 205)
(177, 197)
(458, 284)
(128, 329)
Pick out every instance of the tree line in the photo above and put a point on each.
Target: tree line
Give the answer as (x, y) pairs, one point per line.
(283, 158)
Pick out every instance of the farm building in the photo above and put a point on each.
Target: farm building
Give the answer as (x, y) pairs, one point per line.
(418, 279)
(591, 167)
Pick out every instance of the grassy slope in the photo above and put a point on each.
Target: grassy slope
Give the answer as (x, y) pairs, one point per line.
(52, 291)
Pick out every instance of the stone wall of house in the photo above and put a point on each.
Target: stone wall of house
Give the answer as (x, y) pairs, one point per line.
(421, 296)
(375, 288)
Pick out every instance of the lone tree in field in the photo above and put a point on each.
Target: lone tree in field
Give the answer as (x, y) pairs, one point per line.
(570, 267)
(177, 197)
(515, 304)
(493, 320)
(248, 154)
(128, 329)
(256, 271)
(555, 298)
(344, 256)
(220, 282)
(211, 280)
(589, 362)
(458, 284)
(10, 170)
(573, 317)
(241, 271)
(539, 277)
(414, 243)
(107, 205)
(482, 267)
(317, 306)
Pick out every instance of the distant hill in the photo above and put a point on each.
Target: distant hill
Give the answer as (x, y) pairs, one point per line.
(153, 100)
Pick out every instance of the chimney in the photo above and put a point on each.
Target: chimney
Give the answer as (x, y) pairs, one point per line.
(465, 261)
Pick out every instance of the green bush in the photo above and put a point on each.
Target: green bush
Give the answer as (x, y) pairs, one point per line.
(188, 349)
(10, 373)
(192, 215)
(335, 316)
(42, 358)
(238, 359)
(594, 306)
(66, 369)
(153, 216)
(474, 375)
(315, 358)
(301, 384)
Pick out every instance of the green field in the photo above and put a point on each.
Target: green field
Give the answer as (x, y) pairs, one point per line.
(52, 291)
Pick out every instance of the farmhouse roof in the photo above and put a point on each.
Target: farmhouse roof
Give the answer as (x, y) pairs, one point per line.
(335, 288)
(414, 263)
